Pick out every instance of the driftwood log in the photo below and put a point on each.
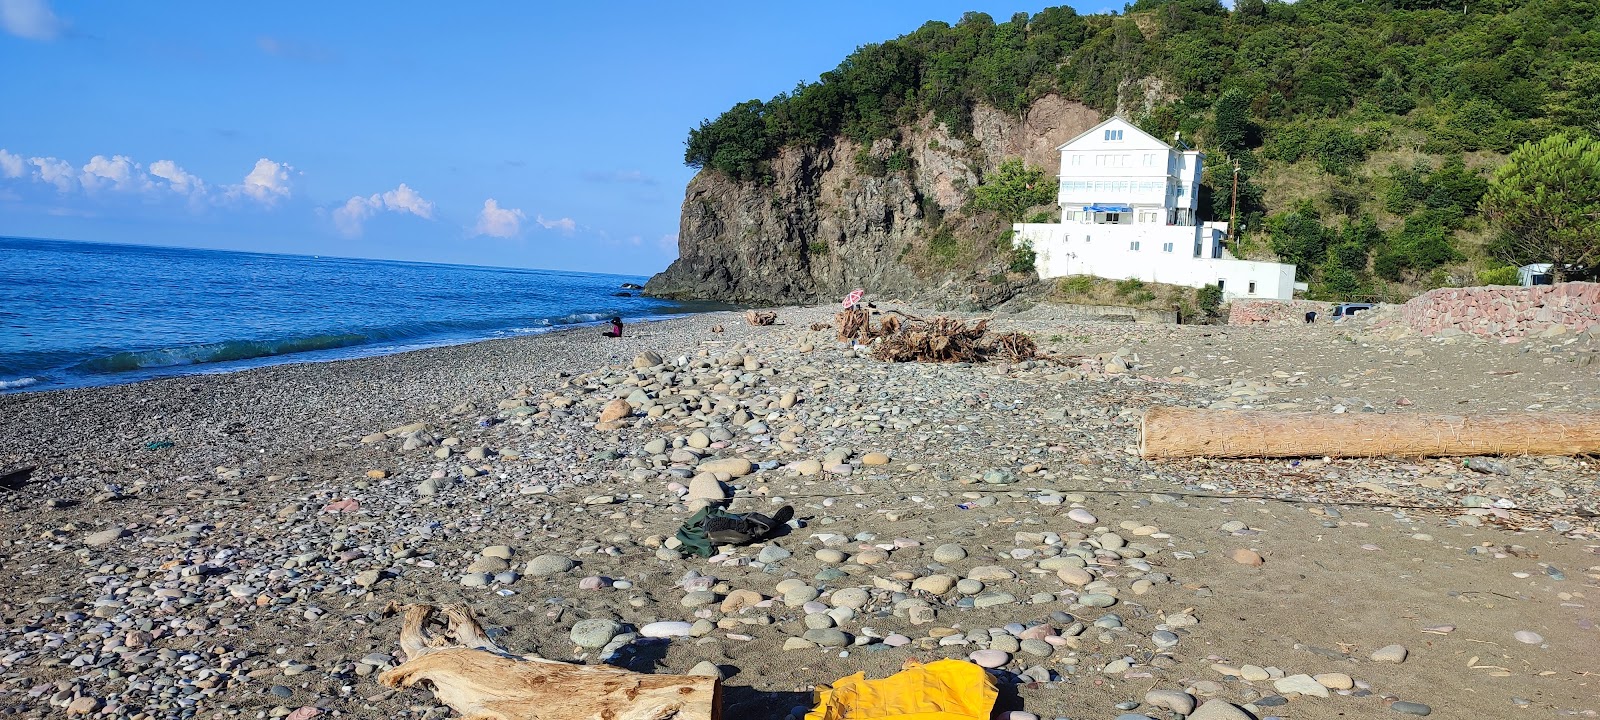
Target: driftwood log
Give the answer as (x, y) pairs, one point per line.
(1169, 432)
(759, 317)
(483, 682)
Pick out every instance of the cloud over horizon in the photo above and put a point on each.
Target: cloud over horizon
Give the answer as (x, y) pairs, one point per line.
(499, 222)
(351, 218)
(29, 19)
(267, 183)
(565, 225)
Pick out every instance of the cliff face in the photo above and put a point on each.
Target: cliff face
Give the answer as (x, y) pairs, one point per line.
(828, 223)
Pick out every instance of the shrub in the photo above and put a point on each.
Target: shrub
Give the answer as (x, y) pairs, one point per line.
(817, 247)
(944, 246)
(1129, 286)
(1076, 285)
(1022, 258)
(1209, 299)
(1499, 276)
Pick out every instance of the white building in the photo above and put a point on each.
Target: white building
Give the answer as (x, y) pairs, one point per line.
(1128, 211)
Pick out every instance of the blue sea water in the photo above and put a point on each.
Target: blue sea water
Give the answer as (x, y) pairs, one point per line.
(74, 314)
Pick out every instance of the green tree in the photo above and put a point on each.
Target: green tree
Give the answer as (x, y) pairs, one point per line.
(1231, 129)
(1298, 237)
(1013, 188)
(1547, 197)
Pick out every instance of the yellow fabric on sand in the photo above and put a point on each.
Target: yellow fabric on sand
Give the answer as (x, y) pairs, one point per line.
(940, 690)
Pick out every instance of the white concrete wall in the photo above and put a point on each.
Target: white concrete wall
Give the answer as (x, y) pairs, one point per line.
(1107, 251)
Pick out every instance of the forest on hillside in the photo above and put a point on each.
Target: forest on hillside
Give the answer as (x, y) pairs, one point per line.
(1364, 131)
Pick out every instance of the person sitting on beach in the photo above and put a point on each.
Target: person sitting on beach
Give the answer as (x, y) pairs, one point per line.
(616, 328)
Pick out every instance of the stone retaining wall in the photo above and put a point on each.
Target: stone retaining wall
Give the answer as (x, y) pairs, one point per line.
(1501, 311)
(1265, 312)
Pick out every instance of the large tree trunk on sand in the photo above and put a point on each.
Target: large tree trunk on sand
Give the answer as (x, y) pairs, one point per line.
(482, 682)
(1169, 432)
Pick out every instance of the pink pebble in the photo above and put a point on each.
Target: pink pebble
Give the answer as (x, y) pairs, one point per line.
(1037, 632)
(989, 658)
(594, 582)
(1056, 640)
(896, 640)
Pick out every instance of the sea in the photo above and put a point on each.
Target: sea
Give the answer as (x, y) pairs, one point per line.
(76, 314)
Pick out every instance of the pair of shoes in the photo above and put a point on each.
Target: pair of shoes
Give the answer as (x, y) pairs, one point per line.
(746, 528)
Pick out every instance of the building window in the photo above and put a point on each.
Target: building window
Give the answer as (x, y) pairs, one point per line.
(1220, 282)
(1252, 290)
(1077, 160)
(1166, 247)
(1149, 160)
(1113, 218)
(1133, 245)
(1113, 134)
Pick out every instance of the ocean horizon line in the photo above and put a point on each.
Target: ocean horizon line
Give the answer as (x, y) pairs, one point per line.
(262, 253)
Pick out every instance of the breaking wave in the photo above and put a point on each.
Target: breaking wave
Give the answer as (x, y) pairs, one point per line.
(215, 353)
(18, 383)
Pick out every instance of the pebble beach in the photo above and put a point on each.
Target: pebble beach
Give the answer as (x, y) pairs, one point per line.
(224, 546)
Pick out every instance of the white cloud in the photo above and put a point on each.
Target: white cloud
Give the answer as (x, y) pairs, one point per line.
(55, 171)
(178, 180)
(119, 172)
(30, 19)
(10, 165)
(496, 221)
(267, 183)
(404, 199)
(354, 213)
(566, 225)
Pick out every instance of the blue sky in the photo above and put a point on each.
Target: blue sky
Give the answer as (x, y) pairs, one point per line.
(516, 134)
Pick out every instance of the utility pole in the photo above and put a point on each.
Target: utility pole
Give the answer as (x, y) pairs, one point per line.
(1233, 215)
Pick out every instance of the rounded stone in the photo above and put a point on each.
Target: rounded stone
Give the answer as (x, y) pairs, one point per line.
(1411, 708)
(830, 556)
(1081, 515)
(827, 637)
(1335, 681)
(666, 629)
(989, 658)
(546, 565)
(594, 633)
(1390, 653)
(1075, 576)
(949, 553)
(854, 598)
(1177, 701)
(1528, 637)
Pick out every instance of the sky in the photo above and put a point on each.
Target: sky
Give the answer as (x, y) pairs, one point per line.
(519, 134)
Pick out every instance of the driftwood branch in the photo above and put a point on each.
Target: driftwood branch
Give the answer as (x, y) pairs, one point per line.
(1168, 432)
(481, 681)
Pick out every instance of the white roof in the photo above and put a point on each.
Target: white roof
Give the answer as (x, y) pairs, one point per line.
(1108, 121)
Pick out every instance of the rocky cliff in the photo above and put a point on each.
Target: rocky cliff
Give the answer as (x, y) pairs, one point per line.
(893, 218)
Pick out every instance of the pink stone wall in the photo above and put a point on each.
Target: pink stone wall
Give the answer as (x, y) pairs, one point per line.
(1500, 311)
(1265, 312)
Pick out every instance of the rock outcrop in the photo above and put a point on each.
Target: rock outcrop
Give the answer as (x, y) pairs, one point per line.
(835, 218)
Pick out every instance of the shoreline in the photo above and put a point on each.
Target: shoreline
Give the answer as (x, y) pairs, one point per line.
(35, 382)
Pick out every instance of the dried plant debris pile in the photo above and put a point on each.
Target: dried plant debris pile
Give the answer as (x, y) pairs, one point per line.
(937, 340)
(757, 317)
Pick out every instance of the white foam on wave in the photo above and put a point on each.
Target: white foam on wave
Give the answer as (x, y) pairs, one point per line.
(20, 383)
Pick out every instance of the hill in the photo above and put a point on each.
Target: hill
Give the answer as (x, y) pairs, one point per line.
(1363, 132)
